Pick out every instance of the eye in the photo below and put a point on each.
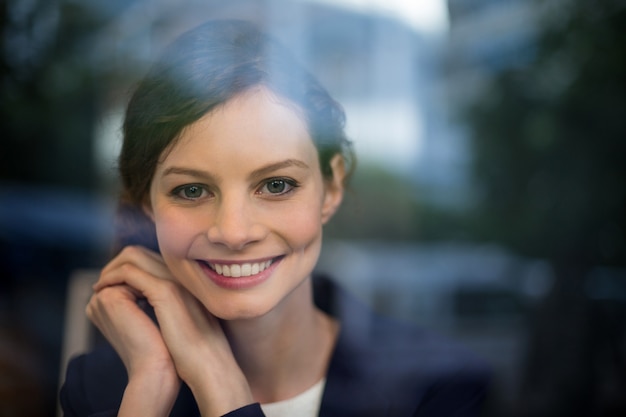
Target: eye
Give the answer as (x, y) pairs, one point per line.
(278, 186)
(190, 192)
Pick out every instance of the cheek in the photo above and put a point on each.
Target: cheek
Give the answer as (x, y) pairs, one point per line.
(175, 232)
(303, 226)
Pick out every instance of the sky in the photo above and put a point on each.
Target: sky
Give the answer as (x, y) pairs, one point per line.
(401, 122)
(424, 15)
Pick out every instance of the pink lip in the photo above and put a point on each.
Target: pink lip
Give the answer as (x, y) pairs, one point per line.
(239, 283)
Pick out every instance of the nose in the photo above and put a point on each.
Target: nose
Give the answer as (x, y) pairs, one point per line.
(235, 224)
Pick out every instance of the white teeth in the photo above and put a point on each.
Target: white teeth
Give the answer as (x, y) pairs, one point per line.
(235, 271)
(241, 270)
(226, 270)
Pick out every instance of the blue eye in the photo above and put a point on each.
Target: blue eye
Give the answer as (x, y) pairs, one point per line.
(190, 192)
(278, 186)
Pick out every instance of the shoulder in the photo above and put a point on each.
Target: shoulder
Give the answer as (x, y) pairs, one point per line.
(401, 368)
(432, 374)
(393, 342)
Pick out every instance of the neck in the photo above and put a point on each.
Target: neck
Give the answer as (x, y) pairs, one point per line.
(285, 351)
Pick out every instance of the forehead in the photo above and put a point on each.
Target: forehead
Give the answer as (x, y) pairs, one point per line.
(256, 124)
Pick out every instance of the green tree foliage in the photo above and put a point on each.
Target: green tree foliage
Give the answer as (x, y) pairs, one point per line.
(52, 79)
(550, 140)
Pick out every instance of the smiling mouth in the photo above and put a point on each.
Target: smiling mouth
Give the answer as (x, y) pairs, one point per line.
(237, 270)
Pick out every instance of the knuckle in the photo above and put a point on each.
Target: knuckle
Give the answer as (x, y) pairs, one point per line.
(164, 289)
(107, 295)
(168, 285)
(94, 306)
(126, 268)
(89, 310)
(130, 249)
(131, 252)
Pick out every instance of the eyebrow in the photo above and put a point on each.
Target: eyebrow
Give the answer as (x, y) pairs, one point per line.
(278, 165)
(186, 171)
(254, 174)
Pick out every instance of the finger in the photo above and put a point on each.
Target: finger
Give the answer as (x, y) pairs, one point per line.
(141, 283)
(114, 309)
(127, 262)
(187, 323)
(140, 256)
(130, 331)
(187, 317)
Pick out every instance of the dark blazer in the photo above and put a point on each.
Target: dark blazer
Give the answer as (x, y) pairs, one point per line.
(380, 367)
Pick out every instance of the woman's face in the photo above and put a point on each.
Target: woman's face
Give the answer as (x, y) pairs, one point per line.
(239, 202)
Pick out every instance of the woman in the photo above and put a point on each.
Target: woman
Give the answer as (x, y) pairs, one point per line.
(237, 157)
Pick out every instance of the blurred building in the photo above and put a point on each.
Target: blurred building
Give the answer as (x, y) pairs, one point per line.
(378, 67)
(487, 36)
(484, 36)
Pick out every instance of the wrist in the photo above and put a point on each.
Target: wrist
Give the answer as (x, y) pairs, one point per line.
(217, 394)
(152, 368)
(149, 393)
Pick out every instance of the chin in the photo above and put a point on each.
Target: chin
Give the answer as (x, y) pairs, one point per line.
(244, 311)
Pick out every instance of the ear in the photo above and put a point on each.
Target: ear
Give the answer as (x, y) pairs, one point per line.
(334, 187)
(146, 207)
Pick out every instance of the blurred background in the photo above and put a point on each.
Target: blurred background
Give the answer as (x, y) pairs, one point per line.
(489, 202)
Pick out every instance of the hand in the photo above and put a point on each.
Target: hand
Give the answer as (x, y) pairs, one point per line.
(192, 337)
(114, 309)
(153, 381)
